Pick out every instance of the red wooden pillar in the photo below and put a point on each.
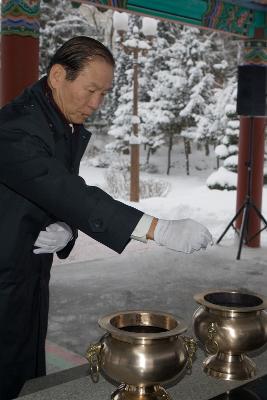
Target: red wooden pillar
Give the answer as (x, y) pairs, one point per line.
(258, 127)
(19, 47)
(254, 54)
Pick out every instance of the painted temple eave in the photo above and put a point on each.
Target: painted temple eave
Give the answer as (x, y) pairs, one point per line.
(208, 14)
(20, 18)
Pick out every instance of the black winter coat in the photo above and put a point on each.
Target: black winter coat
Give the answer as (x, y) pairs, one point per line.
(39, 185)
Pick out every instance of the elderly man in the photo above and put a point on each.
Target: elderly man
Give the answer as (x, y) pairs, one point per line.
(43, 201)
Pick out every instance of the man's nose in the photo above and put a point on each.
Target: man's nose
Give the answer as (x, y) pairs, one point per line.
(95, 101)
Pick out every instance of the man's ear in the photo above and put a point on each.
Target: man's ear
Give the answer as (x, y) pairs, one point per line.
(57, 75)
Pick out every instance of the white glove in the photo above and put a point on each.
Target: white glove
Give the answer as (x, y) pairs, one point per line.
(53, 239)
(184, 235)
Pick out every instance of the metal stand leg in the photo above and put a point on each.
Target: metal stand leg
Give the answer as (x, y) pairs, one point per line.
(248, 204)
(231, 224)
(244, 227)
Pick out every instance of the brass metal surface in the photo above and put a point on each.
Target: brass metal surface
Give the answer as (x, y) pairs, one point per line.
(229, 324)
(127, 392)
(142, 350)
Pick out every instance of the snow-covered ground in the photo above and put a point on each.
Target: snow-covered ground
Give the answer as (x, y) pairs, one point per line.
(188, 196)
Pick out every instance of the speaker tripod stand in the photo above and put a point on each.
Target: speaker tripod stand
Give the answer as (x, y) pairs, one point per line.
(248, 204)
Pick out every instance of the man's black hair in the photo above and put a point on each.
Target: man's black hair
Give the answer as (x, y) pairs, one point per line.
(76, 52)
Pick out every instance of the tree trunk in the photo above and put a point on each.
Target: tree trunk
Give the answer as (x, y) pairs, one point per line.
(189, 147)
(199, 146)
(187, 150)
(148, 155)
(169, 153)
(207, 148)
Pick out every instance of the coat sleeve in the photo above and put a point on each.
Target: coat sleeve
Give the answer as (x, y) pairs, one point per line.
(30, 170)
(65, 252)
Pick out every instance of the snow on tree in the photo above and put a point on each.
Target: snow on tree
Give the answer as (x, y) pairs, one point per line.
(121, 127)
(165, 83)
(183, 94)
(222, 179)
(227, 149)
(204, 67)
(178, 83)
(160, 94)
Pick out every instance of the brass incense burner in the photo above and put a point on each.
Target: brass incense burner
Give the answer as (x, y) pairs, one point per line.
(229, 324)
(141, 351)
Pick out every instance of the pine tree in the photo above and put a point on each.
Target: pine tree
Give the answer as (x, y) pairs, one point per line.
(166, 96)
(182, 98)
(180, 80)
(203, 64)
(227, 148)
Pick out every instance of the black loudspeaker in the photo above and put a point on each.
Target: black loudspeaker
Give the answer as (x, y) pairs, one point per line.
(252, 90)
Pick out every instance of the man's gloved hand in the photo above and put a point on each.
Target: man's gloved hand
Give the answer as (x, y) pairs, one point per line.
(184, 235)
(53, 239)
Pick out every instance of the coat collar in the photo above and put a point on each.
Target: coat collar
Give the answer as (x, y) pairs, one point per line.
(56, 120)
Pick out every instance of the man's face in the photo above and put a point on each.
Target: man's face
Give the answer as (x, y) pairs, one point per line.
(78, 99)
